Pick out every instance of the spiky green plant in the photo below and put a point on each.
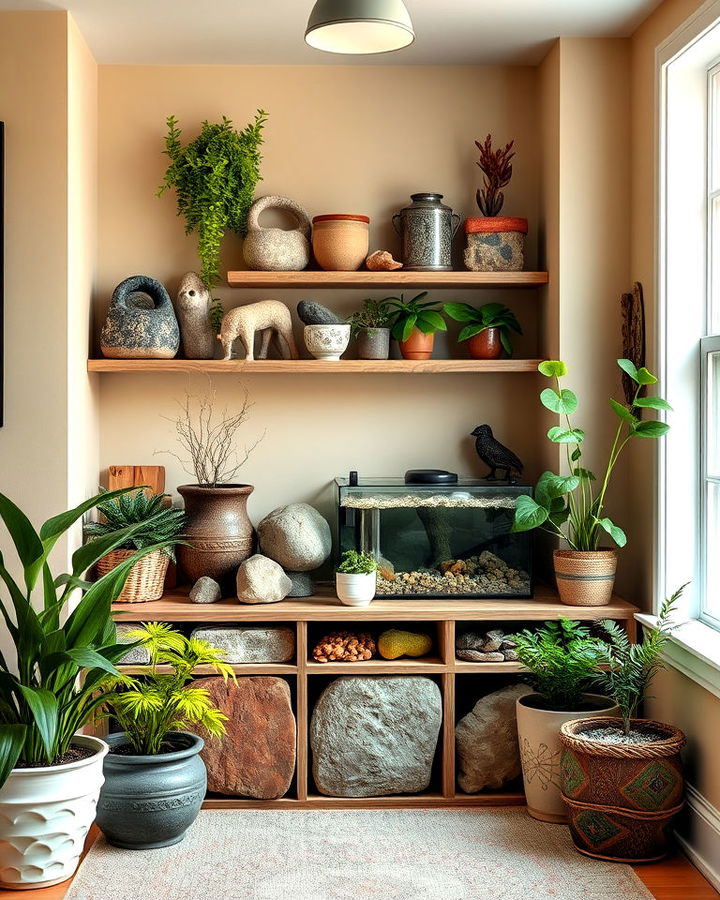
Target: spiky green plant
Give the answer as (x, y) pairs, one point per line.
(148, 709)
(157, 524)
(354, 563)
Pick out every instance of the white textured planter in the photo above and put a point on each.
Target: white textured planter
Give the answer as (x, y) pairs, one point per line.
(540, 752)
(327, 341)
(355, 590)
(45, 815)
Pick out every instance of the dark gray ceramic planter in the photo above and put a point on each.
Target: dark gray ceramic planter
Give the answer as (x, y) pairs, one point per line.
(373, 343)
(151, 801)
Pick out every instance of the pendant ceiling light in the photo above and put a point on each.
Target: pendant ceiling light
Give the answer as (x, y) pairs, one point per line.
(359, 26)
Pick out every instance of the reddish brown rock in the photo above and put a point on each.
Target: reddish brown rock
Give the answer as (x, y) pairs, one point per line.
(256, 758)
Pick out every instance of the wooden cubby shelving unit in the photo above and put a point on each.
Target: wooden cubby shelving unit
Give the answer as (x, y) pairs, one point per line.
(314, 614)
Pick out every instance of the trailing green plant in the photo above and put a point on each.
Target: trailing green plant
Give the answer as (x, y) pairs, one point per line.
(627, 668)
(479, 318)
(162, 525)
(496, 166)
(374, 314)
(214, 177)
(354, 563)
(414, 314)
(62, 655)
(148, 709)
(217, 313)
(562, 659)
(571, 506)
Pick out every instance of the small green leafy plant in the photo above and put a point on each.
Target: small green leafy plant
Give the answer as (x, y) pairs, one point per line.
(416, 313)
(148, 710)
(374, 314)
(159, 525)
(629, 668)
(570, 506)
(354, 563)
(479, 318)
(214, 177)
(562, 659)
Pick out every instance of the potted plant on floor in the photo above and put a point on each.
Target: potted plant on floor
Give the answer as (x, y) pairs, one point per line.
(622, 777)
(562, 661)
(570, 506)
(155, 780)
(414, 324)
(50, 775)
(487, 328)
(158, 525)
(370, 326)
(355, 578)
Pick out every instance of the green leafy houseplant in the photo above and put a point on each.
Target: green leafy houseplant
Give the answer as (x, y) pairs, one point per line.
(374, 314)
(160, 524)
(354, 563)
(148, 710)
(214, 177)
(570, 506)
(61, 657)
(416, 313)
(479, 318)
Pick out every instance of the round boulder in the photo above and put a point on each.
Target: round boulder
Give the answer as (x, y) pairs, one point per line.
(260, 580)
(296, 536)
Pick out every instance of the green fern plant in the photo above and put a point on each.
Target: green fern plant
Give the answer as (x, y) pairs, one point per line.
(162, 525)
(354, 563)
(148, 710)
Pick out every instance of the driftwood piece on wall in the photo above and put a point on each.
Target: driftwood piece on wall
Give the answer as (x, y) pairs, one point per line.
(632, 307)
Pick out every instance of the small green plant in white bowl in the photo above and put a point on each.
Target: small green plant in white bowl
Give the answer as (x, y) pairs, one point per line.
(356, 578)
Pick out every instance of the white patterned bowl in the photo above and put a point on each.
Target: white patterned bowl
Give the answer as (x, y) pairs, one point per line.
(327, 341)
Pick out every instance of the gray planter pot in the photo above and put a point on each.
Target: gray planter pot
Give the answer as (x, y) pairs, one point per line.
(151, 801)
(373, 343)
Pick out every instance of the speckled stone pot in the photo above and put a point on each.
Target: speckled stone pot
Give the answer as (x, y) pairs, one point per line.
(495, 244)
(151, 801)
(373, 343)
(426, 228)
(141, 322)
(277, 249)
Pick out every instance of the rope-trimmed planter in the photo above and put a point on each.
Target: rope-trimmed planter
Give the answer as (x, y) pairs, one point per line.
(585, 578)
(621, 798)
(146, 579)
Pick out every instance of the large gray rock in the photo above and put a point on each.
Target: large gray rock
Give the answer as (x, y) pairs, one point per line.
(312, 313)
(372, 736)
(138, 656)
(260, 580)
(296, 536)
(251, 644)
(205, 590)
(486, 741)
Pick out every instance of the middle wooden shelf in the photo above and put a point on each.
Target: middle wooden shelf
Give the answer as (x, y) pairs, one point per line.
(311, 366)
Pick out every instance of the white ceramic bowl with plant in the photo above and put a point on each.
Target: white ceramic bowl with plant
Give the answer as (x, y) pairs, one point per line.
(327, 341)
(356, 578)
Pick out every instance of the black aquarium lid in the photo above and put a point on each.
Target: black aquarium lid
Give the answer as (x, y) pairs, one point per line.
(430, 476)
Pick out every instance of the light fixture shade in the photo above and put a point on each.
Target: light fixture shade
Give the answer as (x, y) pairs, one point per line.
(359, 26)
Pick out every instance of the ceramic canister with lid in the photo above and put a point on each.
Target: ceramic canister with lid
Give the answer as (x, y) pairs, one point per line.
(426, 229)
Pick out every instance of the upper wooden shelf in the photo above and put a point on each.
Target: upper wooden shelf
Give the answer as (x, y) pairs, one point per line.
(311, 366)
(399, 278)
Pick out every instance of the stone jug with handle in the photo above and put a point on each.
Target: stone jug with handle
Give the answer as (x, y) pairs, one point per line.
(426, 229)
(277, 249)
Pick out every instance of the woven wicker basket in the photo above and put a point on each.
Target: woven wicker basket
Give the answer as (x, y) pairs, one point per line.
(585, 578)
(146, 579)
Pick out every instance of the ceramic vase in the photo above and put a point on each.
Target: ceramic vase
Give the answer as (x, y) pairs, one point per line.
(141, 322)
(327, 342)
(277, 249)
(340, 242)
(426, 229)
(356, 589)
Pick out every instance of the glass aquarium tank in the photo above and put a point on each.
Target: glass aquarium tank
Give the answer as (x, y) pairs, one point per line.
(436, 535)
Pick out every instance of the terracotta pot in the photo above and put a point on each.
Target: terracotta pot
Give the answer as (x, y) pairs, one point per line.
(486, 344)
(540, 750)
(585, 578)
(621, 798)
(340, 242)
(218, 531)
(418, 346)
(495, 244)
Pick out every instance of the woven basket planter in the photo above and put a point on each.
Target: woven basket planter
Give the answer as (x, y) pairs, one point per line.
(621, 798)
(146, 579)
(585, 578)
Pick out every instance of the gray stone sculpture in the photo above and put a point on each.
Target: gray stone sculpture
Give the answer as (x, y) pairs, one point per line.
(192, 306)
(250, 644)
(486, 741)
(277, 249)
(271, 317)
(205, 590)
(141, 322)
(261, 580)
(312, 313)
(296, 536)
(373, 736)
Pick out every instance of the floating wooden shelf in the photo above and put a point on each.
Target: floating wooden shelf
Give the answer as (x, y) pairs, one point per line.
(399, 278)
(244, 669)
(311, 366)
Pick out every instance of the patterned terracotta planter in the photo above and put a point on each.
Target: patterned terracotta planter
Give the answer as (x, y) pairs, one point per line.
(621, 798)
(495, 244)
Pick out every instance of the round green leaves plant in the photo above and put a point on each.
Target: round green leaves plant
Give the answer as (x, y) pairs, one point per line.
(478, 318)
(416, 313)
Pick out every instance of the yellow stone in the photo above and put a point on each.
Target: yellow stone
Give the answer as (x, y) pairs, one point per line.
(394, 643)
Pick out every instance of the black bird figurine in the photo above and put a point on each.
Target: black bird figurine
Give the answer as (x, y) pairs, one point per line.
(494, 454)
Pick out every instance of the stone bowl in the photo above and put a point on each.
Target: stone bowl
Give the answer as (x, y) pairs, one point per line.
(327, 341)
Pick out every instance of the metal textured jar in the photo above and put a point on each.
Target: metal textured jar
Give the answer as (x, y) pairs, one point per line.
(426, 228)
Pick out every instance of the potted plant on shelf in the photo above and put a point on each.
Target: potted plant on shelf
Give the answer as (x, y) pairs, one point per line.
(370, 326)
(622, 777)
(487, 328)
(355, 578)
(561, 658)
(159, 525)
(570, 506)
(50, 775)
(414, 324)
(494, 243)
(155, 780)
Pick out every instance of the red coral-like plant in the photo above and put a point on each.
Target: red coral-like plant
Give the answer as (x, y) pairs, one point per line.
(497, 168)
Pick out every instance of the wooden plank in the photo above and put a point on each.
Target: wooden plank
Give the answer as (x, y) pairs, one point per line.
(133, 476)
(398, 278)
(239, 669)
(498, 668)
(448, 736)
(426, 665)
(302, 713)
(317, 801)
(446, 641)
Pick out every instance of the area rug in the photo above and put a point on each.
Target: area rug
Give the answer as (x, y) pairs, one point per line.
(439, 854)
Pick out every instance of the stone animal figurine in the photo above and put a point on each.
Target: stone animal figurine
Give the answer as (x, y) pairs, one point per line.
(192, 306)
(271, 317)
(494, 454)
(141, 322)
(277, 249)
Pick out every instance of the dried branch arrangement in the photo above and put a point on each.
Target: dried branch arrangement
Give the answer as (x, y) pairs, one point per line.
(497, 169)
